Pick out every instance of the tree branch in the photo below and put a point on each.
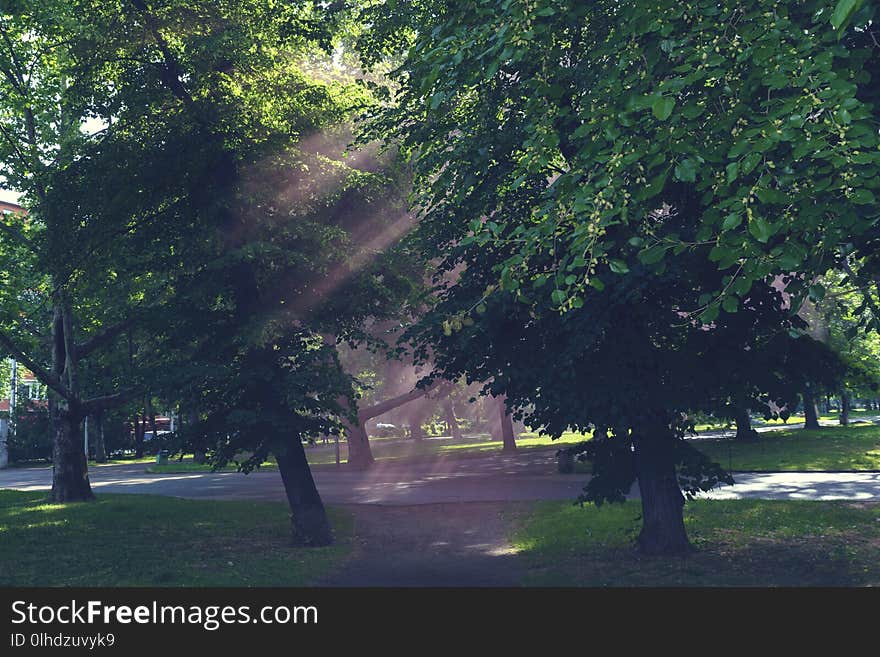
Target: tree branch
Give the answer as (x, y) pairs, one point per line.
(103, 337)
(41, 373)
(374, 411)
(103, 403)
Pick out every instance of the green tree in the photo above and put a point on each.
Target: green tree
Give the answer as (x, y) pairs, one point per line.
(609, 187)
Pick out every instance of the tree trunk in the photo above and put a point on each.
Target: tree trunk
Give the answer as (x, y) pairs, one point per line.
(416, 417)
(140, 427)
(309, 524)
(451, 420)
(744, 429)
(360, 456)
(663, 531)
(70, 472)
(844, 409)
(811, 417)
(507, 436)
(100, 446)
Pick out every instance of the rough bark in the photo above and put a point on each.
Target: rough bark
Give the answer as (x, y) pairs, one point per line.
(508, 438)
(70, 473)
(140, 426)
(360, 456)
(200, 456)
(811, 417)
(663, 531)
(450, 419)
(844, 409)
(309, 524)
(100, 445)
(744, 429)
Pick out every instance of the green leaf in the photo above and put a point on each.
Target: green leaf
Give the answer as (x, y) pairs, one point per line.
(618, 266)
(843, 13)
(760, 229)
(732, 172)
(710, 314)
(662, 107)
(768, 195)
(730, 304)
(749, 162)
(731, 221)
(558, 296)
(437, 98)
(653, 254)
(862, 196)
(817, 292)
(685, 171)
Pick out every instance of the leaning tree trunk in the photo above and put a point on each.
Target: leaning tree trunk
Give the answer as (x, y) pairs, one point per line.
(844, 409)
(450, 419)
(309, 524)
(360, 456)
(811, 417)
(663, 531)
(744, 429)
(70, 473)
(100, 445)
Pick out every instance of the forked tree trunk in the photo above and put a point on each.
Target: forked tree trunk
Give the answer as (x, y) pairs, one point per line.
(844, 409)
(360, 456)
(100, 445)
(450, 419)
(70, 473)
(811, 417)
(663, 531)
(309, 524)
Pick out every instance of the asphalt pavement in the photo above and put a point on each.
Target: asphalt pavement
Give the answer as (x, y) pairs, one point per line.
(527, 475)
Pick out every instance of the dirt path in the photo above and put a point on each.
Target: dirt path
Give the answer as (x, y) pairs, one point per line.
(461, 544)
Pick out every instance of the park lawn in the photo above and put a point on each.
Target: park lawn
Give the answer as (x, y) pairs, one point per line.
(187, 465)
(827, 418)
(830, 448)
(471, 445)
(145, 540)
(737, 543)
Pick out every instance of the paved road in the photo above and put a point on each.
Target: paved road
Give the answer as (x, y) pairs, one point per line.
(529, 475)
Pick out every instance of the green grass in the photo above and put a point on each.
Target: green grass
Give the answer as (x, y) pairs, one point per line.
(830, 448)
(144, 540)
(174, 466)
(471, 445)
(738, 543)
(834, 416)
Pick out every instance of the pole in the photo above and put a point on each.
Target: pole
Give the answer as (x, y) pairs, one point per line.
(86, 438)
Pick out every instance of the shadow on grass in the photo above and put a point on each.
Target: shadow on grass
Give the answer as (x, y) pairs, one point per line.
(142, 540)
(737, 543)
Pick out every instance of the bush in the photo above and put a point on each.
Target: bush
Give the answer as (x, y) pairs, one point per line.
(33, 436)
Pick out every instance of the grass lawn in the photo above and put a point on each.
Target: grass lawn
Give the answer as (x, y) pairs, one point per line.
(829, 448)
(471, 445)
(187, 465)
(144, 540)
(738, 543)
